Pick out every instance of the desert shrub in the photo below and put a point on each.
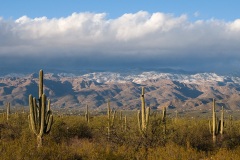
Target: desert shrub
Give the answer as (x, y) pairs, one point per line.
(231, 137)
(72, 137)
(172, 151)
(59, 131)
(80, 130)
(65, 128)
(191, 133)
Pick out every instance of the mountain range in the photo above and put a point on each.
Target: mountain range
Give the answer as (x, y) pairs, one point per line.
(173, 90)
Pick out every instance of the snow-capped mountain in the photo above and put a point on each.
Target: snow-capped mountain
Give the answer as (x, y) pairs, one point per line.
(107, 77)
(189, 91)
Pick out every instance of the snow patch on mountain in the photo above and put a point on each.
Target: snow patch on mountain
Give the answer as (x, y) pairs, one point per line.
(199, 78)
(139, 78)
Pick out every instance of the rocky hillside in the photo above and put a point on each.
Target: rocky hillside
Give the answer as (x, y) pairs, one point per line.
(175, 91)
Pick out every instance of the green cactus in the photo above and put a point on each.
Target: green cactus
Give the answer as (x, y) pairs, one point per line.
(143, 115)
(121, 120)
(222, 122)
(164, 114)
(214, 130)
(111, 118)
(87, 115)
(164, 120)
(217, 126)
(8, 110)
(230, 122)
(120, 116)
(176, 116)
(125, 121)
(40, 118)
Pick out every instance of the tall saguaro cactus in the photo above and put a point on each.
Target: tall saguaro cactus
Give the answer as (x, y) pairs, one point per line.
(217, 126)
(40, 117)
(164, 114)
(87, 115)
(144, 117)
(214, 122)
(164, 120)
(222, 122)
(125, 122)
(111, 118)
(8, 110)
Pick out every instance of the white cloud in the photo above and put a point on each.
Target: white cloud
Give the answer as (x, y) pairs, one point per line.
(235, 25)
(141, 34)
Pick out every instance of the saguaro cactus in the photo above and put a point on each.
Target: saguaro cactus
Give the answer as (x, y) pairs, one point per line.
(222, 122)
(125, 122)
(8, 110)
(143, 120)
(111, 118)
(217, 126)
(164, 114)
(87, 114)
(230, 122)
(214, 122)
(164, 120)
(40, 117)
(120, 116)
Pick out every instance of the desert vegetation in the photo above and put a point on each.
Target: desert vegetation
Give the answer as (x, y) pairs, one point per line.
(42, 133)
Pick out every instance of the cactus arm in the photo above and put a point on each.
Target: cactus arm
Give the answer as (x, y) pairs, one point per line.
(49, 122)
(49, 118)
(33, 104)
(210, 127)
(32, 116)
(147, 116)
(49, 105)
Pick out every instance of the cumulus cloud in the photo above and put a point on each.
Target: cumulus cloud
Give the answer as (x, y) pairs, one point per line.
(159, 37)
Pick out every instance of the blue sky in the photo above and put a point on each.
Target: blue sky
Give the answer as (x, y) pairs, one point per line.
(226, 10)
(186, 34)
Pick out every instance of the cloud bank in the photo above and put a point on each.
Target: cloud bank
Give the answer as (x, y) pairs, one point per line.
(157, 38)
